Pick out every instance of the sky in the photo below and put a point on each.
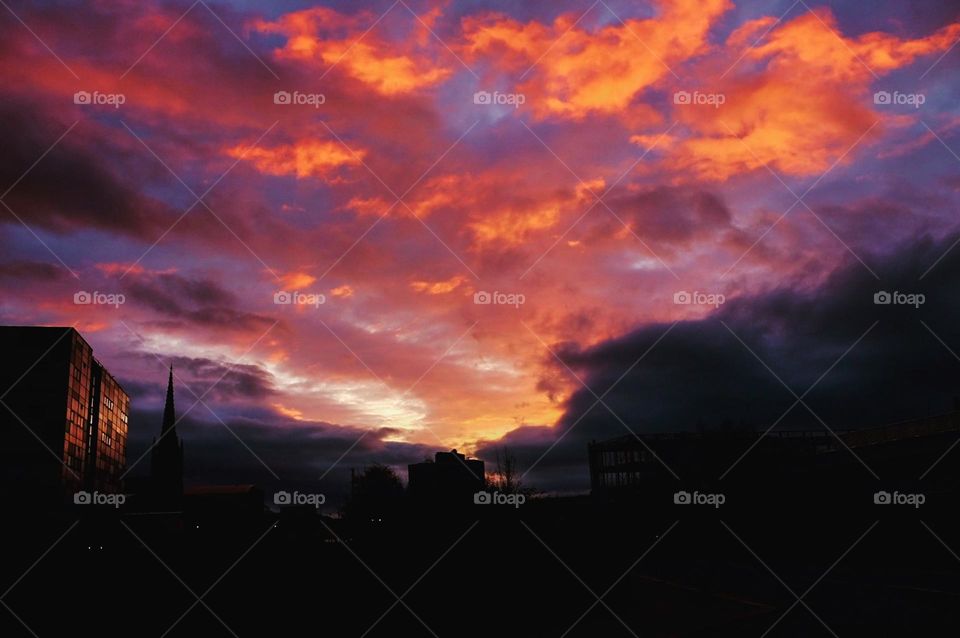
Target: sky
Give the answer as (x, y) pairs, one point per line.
(367, 231)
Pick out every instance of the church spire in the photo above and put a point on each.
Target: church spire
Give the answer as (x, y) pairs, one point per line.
(169, 413)
(166, 462)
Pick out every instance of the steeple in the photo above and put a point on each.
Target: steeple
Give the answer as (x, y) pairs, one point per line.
(169, 412)
(166, 456)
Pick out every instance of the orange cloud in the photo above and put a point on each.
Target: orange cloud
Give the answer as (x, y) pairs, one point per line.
(805, 106)
(511, 227)
(327, 38)
(438, 287)
(513, 224)
(364, 206)
(582, 72)
(813, 42)
(307, 158)
(297, 280)
(115, 268)
(122, 269)
(292, 413)
(498, 208)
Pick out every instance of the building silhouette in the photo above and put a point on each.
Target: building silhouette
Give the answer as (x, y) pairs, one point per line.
(799, 459)
(166, 457)
(450, 478)
(63, 417)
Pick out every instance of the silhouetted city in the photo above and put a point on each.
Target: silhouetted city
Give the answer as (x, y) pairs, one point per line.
(66, 428)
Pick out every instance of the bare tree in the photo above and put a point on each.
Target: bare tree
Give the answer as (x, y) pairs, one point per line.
(507, 481)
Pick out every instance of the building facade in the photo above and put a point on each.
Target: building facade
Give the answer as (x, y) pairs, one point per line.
(64, 418)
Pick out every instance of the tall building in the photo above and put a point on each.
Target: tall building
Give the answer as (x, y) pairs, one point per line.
(166, 456)
(63, 417)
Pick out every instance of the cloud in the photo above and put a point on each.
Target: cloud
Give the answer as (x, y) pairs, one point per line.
(559, 470)
(499, 209)
(25, 270)
(699, 375)
(575, 72)
(297, 280)
(307, 158)
(812, 41)
(673, 216)
(438, 287)
(326, 39)
(193, 303)
(271, 450)
(248, 382)
(798, 101)
(89, 193)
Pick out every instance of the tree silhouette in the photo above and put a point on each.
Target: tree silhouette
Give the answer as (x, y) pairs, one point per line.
(376, 495)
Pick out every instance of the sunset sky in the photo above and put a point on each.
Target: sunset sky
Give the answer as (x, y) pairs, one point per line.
(397, 160)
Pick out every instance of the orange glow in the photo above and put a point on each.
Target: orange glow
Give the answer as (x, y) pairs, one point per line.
(289, 412)
(582, 72)
(438, 287)
(388, 68)
(807, 107)
(309, 158)
(297, 280)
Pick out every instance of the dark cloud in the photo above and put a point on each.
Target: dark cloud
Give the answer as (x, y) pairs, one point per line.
(672, 214)
(171, 292)
(24, 270)
(72, 187)
(700, 375)
(228, 381)
(271, 451)
(193, 302)
(238, 380)
(555, 468)
(669, 215)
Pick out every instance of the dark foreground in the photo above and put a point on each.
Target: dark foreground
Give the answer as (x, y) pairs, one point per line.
(554, 567)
